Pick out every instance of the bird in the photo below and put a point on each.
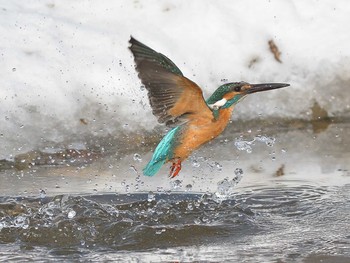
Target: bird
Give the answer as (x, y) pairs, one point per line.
(178, 103)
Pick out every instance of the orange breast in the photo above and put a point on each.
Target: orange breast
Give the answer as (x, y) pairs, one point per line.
(200, 131)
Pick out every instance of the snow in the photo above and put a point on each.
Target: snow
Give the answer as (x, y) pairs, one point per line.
(63, 61)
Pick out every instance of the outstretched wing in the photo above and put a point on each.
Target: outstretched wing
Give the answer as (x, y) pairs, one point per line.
(174, 98)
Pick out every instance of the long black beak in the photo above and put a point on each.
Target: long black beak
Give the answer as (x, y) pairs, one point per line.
(252, 88)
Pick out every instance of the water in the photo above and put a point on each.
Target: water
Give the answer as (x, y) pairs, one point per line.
(281, 202)
(265, 224)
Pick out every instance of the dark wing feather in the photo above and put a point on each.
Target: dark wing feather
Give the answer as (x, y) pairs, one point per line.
(173, 98)
(142, 52)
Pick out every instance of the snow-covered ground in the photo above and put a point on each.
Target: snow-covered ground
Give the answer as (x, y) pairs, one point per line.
(65, 64)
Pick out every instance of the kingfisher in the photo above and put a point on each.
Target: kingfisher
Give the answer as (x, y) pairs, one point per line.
(179, 103)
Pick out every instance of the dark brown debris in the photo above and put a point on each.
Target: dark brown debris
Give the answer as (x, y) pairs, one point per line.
(280, 171)
(320, 119)
(275, 51)
(83, 121)
(253, 61)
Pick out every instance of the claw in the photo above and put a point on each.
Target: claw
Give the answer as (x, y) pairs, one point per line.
(175, 168)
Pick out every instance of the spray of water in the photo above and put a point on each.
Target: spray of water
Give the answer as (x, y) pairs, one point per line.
(246, 145)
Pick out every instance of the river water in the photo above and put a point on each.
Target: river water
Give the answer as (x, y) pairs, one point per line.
(262, 195)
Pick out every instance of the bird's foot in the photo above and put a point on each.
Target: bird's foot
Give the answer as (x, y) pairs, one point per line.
(175, 168)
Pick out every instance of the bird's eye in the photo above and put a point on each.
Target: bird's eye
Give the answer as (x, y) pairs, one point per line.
(238, 88)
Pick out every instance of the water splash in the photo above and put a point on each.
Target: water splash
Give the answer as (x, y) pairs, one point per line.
(226, 186)
(151, 196)
(176, 185)
(115, 222)
(195, 163)
(188, 187)
(71, 214)
(244, 145)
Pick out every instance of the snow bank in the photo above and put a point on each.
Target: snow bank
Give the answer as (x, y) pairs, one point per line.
(66, 71)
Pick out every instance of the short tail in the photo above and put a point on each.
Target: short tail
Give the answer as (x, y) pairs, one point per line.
(153, 167)
(162, 153)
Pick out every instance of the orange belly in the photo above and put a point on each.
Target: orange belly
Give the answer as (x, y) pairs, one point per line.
(201, 131)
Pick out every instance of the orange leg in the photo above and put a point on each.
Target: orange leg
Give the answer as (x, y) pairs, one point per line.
(175, 168)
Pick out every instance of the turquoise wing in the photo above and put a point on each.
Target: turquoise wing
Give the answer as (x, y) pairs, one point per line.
(163, 152)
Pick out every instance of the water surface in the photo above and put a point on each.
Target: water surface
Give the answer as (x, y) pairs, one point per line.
(258, 196)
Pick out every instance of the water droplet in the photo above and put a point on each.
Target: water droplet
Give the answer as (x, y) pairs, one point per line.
(218, 166)
(238, 172)
(21, 222)
(14, 69)
(195, 163)
(190, 206)
(133, 168)
(197, 221)
(269, 141)
(71, 214)
(188, 187)
(137, 157)
(176, 184)
(42, 193)
(160, 231)
(151, 196)
(247, 145)
(243, 145)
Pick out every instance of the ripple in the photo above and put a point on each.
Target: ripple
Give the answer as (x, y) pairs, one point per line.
(291, 217)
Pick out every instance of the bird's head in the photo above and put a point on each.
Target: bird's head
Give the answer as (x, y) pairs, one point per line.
(231, 93)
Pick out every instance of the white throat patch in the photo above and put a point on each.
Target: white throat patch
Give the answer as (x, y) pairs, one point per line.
(218, 104)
